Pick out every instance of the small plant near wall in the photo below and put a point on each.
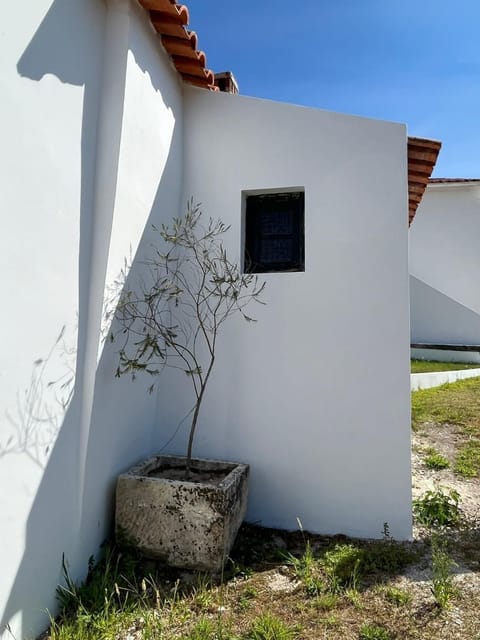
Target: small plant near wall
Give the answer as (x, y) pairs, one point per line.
(443, 587)
(191, 289)
(438, 508)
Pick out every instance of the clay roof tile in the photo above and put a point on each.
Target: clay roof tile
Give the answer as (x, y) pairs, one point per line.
(170, 20)
(422, 156)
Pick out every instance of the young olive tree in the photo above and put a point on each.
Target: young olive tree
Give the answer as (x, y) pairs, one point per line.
(190, 290)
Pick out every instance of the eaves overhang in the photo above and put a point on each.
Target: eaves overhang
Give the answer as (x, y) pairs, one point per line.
(422, 156)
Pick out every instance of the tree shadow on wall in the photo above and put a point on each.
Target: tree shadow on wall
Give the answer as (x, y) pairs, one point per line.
(69, 44)
(65, 47)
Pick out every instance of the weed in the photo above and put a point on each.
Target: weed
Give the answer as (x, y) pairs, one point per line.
(342, 565)
(387, 556)
(369, 631)
(246, 597)
(306, 569)
(434, 460)
(326, 601)
(354, 598)
(331, 622)
(206, 629)
(202, 595)
(202, 630)
(269, 627)
(467, 460)
(398, 597)
(443, 588)
(438, 508)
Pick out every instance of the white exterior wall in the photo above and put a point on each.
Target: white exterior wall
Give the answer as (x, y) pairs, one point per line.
(91, 116)
(444, 265)
(292, 394)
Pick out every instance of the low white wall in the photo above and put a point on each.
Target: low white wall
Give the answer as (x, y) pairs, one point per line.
(91, 115)
(291, 395)
(436, 379)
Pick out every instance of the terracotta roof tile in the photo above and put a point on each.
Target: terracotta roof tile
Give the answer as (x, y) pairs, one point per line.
(170, 20)
(422, 156)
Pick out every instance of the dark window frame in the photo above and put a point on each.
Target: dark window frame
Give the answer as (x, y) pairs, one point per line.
(271, 218)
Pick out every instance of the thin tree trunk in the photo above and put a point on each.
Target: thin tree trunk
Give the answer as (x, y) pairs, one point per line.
(194, 421)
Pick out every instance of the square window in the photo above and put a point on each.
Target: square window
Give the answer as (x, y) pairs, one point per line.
(274, 232)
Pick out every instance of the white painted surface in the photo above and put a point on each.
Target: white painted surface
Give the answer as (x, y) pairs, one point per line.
(50, 89)
(437, 378)
(78, 188)
(291, 395)
(445, 266)
(438, 319)
(64, 68)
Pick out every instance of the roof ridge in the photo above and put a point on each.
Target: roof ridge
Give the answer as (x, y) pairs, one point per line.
(449, 180)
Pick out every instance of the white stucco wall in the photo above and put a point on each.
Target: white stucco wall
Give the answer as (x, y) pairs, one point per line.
(444, 264)
(91, 116)
(100, 147)
(292, 394)
(438, 319)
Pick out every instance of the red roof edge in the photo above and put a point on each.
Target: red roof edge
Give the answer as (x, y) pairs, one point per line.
(170, 20)
(422, 156)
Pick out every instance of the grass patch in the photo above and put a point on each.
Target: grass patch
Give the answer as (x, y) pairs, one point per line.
(456, 403)
(355, 595)
(467, 460)
(270, 627)
(307, 569)
(434, 460)
(369, 631)
(398, 597)
(428, 366)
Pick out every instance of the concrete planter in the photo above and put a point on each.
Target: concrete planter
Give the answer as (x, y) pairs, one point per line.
(184, 524)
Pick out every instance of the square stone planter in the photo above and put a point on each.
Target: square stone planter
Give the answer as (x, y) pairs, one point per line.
(189, 524)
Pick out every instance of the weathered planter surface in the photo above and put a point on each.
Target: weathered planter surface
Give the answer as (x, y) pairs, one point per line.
(184, 524)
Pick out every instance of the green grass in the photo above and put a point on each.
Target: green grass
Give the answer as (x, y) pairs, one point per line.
(270, 627)
(427, 366)
(467, 460)
(435, 460)
(398, 597)
(369, 631)
(456, 403)
(337, 588)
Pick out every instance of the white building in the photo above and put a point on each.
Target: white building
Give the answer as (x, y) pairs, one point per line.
(444, 266)
(104, 136)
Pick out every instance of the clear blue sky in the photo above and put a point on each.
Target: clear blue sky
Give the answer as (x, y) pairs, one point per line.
(408, 61)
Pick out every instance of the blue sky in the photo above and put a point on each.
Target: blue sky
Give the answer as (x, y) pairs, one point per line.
(408, 61)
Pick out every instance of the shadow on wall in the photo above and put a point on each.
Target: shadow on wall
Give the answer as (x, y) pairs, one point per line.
(69, 515)
(436, 318)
